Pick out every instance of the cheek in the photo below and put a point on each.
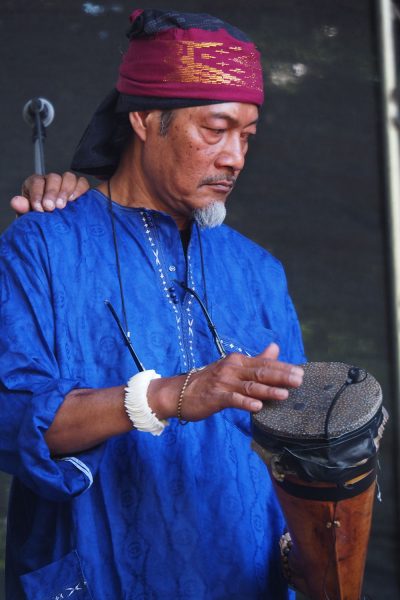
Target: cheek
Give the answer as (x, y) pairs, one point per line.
(192, 162)
(188, 146)
(186, 162)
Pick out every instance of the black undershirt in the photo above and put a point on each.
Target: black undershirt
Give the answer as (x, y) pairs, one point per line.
(185, 238)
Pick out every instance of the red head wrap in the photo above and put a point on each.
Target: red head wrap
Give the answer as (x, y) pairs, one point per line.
(178, 55)
(174, 60)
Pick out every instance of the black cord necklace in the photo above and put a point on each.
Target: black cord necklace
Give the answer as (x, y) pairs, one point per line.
(121, 289)
(204, 306)
(203, 275)
(125, 332)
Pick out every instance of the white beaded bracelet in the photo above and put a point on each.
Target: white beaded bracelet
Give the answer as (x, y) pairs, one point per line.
(136, 404)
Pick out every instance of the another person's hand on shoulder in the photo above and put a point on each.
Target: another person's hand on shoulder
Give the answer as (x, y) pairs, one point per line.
(44, 193)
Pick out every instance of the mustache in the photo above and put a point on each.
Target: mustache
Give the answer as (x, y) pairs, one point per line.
(218, 179)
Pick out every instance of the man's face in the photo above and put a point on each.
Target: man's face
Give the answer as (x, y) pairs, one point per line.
(199, 158)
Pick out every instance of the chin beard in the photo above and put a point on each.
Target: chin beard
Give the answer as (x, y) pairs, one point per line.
(211, 215)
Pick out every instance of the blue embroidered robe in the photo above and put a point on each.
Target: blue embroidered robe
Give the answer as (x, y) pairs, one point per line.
(187, 515)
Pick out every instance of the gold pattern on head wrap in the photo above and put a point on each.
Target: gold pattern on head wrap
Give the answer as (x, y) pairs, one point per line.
(192, 63)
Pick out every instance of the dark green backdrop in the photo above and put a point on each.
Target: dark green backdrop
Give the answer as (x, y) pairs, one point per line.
(312, 191)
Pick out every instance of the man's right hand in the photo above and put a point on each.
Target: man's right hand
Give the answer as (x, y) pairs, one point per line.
(47, 192)
(236, 381)
(89, 417)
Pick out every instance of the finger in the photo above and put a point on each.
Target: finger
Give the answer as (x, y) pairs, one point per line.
(67, 188)
(259, 391)
(33, 189)
(273, 373)
(52, 188)
(237, 400)
(21, 205)
(82, 186)
(271, 352)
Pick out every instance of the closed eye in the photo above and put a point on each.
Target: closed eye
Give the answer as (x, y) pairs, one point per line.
(216, 131)
(248, 136)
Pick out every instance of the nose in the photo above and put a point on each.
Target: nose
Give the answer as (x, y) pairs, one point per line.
(232, 154)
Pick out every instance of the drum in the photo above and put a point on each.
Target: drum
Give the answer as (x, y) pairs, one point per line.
(321, 447)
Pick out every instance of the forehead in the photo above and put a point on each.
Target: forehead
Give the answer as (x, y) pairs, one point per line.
(239, 113)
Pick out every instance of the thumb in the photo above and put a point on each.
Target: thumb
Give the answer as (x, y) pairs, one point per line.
(271, 352)
(20, 204)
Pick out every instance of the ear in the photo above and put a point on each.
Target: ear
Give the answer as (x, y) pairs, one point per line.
(139, 121)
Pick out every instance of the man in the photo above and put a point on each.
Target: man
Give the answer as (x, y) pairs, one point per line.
(134, 280)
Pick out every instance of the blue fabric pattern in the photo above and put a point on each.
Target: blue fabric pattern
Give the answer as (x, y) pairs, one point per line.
(68, 575)
(187, 515)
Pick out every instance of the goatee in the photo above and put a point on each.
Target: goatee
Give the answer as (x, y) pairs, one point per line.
(211, 215)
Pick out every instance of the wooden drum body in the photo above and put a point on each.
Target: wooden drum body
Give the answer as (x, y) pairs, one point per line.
(320, 447)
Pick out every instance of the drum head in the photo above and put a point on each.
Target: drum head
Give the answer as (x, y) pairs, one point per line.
(302, 416)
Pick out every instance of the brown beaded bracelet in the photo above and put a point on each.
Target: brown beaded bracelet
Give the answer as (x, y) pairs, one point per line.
(180, 400)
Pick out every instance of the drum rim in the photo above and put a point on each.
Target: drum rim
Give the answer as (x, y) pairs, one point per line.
(372, 402)
(312, 441)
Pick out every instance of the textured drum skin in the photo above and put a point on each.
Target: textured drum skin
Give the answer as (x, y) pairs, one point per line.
(302, 415)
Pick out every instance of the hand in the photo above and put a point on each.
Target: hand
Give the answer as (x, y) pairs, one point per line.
(88, 417)
(236, 381)
(47, 192)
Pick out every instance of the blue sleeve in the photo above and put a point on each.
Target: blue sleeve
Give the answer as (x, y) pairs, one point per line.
(292, 347)
(31, 387)
(279, 317)
(286, 324)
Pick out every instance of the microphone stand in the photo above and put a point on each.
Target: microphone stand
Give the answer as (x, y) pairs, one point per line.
(38, 113)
